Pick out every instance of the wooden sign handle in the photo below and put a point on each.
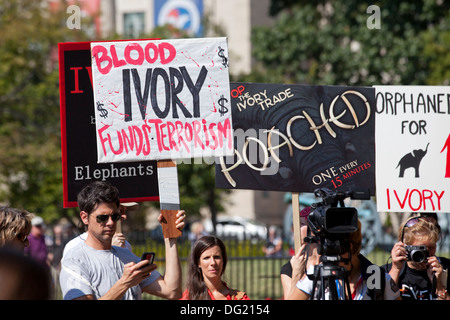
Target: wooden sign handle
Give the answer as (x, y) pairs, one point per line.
(296, 221)
(168, 224)
(169, 197)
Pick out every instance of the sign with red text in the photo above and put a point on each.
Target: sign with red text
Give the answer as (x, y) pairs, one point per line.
(299, 138)
(162, 99)
(136, 181)
(413, 148)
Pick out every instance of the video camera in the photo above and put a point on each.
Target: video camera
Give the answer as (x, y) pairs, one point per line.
(332, 225)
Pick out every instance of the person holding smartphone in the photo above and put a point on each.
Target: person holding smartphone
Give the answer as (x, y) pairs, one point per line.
(97, 270)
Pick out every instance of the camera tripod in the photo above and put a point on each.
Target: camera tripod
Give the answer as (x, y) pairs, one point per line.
(332, 276)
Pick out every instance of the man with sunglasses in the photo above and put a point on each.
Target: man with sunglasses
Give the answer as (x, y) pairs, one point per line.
(119, 238)
(422, 277)
(97, 270)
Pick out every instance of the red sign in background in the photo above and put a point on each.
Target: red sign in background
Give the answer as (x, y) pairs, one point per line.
(136, 181)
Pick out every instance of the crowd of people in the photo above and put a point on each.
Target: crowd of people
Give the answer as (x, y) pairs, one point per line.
(99, 264)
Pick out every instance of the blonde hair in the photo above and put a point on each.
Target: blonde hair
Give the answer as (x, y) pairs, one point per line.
(12, 222)
(422, 228)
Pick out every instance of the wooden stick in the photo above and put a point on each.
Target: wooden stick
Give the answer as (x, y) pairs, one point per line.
(296, 221)
(169, 197)
(119, 226)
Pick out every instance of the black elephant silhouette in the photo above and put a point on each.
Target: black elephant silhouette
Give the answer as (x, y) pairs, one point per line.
(412, 160)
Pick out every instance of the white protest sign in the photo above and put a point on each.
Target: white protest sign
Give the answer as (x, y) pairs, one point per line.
(161, 99)
(412, 141)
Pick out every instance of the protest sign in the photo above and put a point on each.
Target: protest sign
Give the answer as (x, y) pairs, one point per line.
(161, 99)
(136, 181)
(413, 148)
(299, 138)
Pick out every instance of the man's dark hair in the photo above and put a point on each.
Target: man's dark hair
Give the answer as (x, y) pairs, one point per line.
(95, 193)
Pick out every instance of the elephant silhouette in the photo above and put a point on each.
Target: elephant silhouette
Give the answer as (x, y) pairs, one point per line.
(411, 160)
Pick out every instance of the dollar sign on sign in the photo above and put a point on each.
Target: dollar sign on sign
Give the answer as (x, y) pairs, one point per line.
(103, 111)
(222, 55)
(221, 102)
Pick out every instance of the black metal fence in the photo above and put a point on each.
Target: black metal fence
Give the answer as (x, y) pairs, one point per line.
(248, 269)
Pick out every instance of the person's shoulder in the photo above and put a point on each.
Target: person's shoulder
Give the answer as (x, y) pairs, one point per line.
(76, 251)
(79, 256)
(73, 243)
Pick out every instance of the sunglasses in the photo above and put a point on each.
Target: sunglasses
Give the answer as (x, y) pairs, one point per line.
(411, 222)
(102, 218)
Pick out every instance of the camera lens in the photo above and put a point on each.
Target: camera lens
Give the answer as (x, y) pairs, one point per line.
(418, 256)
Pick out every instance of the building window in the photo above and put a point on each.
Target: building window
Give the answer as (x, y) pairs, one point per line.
(133, 25)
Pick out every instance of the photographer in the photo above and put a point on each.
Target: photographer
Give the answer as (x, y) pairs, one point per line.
(358, 275)
(422, 277)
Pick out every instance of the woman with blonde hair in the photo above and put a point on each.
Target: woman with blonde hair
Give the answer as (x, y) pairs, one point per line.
(415, 267)
(15, 226)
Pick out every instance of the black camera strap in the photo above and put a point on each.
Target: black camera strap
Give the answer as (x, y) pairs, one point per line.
(433, 286)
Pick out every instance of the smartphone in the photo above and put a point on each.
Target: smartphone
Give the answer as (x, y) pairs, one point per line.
(150, 256)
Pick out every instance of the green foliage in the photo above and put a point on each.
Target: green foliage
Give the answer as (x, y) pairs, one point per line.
(30, 140)
(168, 32)
(197, 188)
(30, 161)
(317, 42)
(437, 51)
(320, 42)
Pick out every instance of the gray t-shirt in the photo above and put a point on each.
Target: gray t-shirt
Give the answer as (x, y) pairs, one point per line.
(85, 270)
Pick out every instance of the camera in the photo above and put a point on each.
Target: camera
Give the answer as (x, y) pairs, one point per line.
(417, 253)
(332, 225)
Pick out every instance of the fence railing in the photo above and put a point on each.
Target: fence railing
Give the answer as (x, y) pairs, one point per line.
(247, 270)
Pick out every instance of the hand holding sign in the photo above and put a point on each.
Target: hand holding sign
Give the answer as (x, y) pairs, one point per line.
(157, 100)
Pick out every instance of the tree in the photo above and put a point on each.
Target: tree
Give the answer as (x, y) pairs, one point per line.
(437, 52)
(30, 161)
(30, 139)
(197, 189)
(329, 42)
